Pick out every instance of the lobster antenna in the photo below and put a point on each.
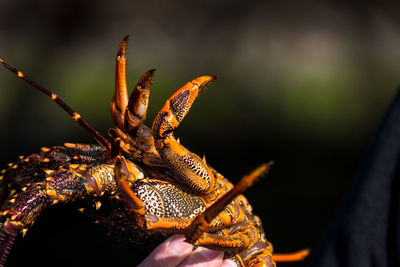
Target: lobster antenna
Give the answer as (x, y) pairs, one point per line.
(75, 116)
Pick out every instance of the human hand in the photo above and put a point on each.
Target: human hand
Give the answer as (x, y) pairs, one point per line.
(176, 252)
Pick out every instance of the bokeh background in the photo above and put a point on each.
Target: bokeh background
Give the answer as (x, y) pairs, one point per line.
(303, 83)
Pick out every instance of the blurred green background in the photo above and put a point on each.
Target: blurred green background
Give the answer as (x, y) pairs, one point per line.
(303, 83)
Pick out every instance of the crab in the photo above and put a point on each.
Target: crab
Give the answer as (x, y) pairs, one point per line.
(157, 187)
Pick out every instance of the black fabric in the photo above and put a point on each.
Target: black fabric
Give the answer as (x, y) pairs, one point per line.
(366, 230)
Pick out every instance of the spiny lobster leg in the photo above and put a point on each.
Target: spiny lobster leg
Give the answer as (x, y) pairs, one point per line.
(228, 217)
(231, 215)
(138, 102)
(291, 257)
(261, 258)
(217, 216)
(188, 167)
(203, 220)
(245, 241)
(243, 238)
(144, 219)
(129, 114)
(122, 174)
(120, 98)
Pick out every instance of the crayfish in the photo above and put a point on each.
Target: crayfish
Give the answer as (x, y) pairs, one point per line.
(157, 186)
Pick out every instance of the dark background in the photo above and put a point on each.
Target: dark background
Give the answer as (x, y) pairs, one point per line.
(303, 83)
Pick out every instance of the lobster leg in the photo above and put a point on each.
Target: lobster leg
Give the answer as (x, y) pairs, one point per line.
(230, 216)
(232, 213)
(202, 221)
(261, 258)
(136, 110)
(189, 168)
(243, 242)
(120, 98)
(129, 114)
(180, 225)
(122, 174)
(241, 239)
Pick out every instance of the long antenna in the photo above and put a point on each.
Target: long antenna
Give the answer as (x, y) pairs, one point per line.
(75, 116)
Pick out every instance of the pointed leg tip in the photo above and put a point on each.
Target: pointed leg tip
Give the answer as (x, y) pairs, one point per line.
(292, 257)
(203, 81)
(146, 80)
(264, 168)
(126, 38)
(149, 73)
(122, 47)
(257, 173)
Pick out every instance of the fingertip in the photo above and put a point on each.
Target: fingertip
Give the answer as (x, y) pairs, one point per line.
(177, 245)
(169, 253)
(204, 257)
(228, 263)
(210, 254)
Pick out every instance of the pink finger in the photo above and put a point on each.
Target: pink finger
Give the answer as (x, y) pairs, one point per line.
(169, 253)
(228, 263)
(203, 257)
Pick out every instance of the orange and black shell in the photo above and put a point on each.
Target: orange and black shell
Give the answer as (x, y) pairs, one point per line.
(161, 198)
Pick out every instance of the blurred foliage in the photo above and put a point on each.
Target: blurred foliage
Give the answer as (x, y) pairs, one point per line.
(302, 83)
